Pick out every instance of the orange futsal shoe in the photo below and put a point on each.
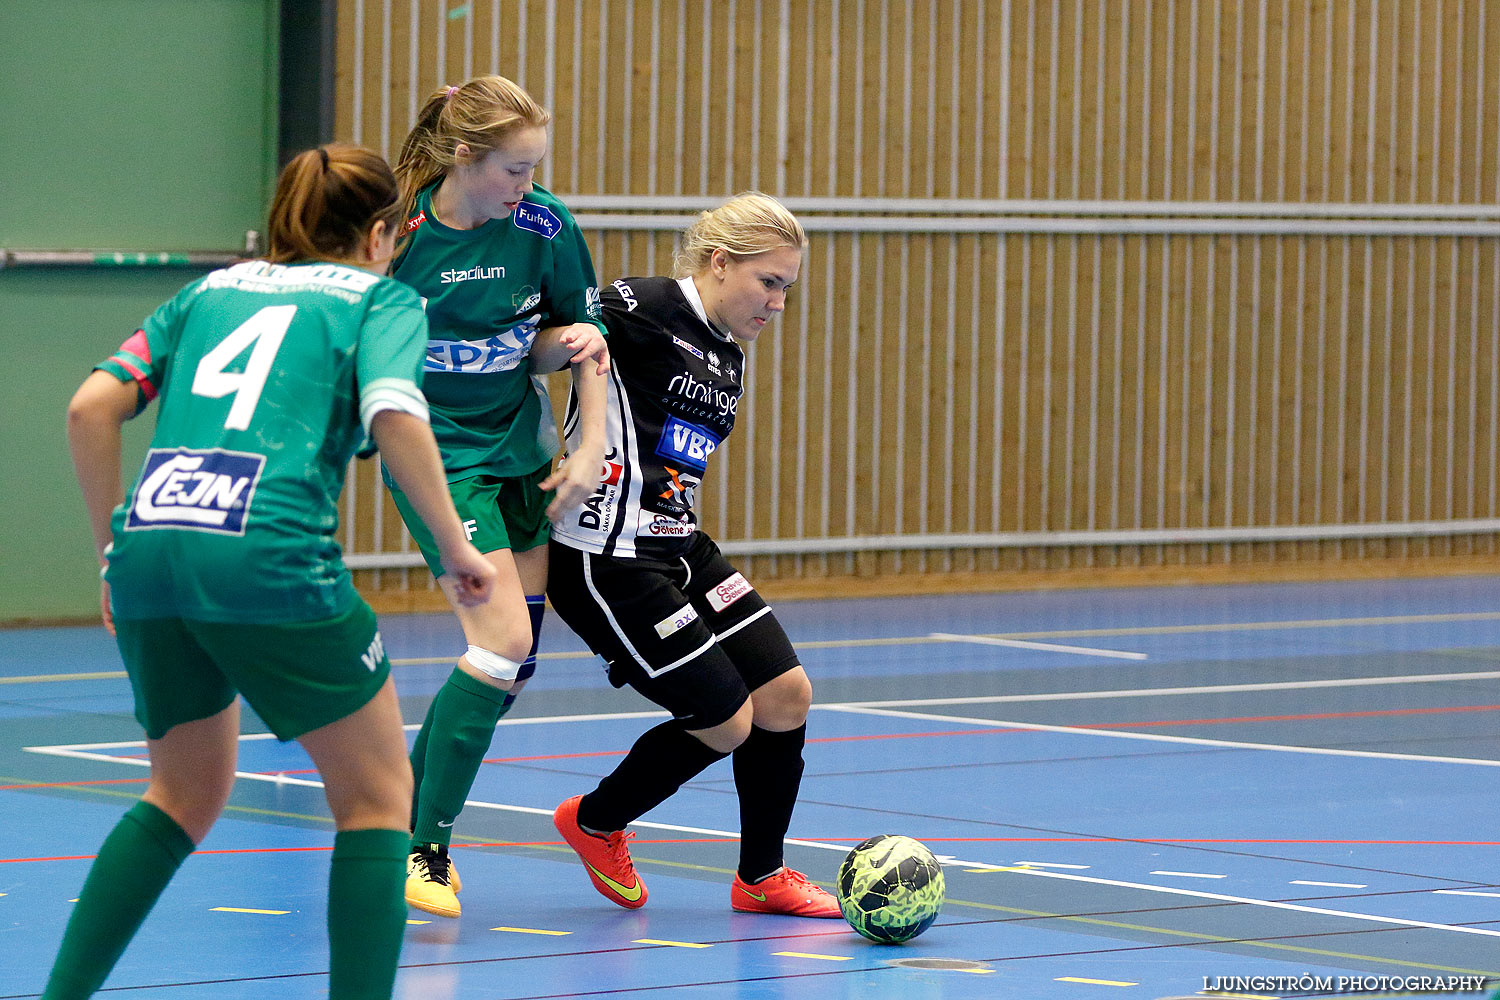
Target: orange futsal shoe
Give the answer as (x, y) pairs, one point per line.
(788, 892)
(606, 858)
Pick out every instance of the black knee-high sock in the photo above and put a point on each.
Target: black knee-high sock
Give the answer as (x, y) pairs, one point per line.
(767, 775)
(661, 761)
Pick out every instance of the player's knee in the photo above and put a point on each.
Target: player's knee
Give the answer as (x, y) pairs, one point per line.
(729, 734)
(782, 703)
(194, 811)
(494, 668)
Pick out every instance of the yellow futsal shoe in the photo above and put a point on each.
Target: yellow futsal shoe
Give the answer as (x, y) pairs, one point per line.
(430, 883)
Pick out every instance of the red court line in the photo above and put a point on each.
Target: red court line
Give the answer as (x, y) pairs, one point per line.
(72, 784)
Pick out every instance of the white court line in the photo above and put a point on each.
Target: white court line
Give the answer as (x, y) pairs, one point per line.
(1271, 903)
(987, 640)
(996, 699)
(1157, 737)
(1466, 892)
(1190, 874)
(1330, 885)
(844, 848)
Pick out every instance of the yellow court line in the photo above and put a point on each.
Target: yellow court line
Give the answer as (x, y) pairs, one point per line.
(671, 944)
(1093, 982)
(823, 958)
(531, 930)
(237, 909)
(419, 922)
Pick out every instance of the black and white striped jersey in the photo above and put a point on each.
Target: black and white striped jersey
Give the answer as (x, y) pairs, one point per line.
(674, 386)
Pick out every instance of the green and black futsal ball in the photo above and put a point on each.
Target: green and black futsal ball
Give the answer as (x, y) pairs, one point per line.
(890, 888)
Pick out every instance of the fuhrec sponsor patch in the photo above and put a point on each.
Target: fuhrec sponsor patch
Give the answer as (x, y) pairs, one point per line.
(537, 219)
(195, 490)
(731, 590)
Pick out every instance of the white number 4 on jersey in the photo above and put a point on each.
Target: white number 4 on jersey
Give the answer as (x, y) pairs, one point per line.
(265, 330)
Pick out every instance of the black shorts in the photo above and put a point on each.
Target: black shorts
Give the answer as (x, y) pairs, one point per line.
(693, 637)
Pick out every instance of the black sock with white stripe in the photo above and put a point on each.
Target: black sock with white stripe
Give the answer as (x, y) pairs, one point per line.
(662, 761)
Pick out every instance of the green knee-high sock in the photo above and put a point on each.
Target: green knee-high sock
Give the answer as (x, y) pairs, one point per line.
(137, 860)
(366, 913)
(457, 735)
(419, 760)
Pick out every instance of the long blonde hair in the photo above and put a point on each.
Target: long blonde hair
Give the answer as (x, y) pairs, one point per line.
(480, 114)
(745, 225)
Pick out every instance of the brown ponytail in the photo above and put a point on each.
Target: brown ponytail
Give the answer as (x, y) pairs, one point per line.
(326, 201)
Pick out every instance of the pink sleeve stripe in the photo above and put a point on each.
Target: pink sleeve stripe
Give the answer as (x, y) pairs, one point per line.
(137, 346)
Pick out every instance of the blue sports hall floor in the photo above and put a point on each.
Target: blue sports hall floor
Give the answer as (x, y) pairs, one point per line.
(1139, 793)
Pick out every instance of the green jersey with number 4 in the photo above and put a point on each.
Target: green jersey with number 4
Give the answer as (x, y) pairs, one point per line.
(268, 375)
(487, 292)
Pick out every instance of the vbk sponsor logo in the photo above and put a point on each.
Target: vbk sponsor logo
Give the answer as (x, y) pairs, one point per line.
(687, 443)
(676, 622)
(478, 273)
(729, 591)
(372, 656)
(196, 490)
(627, 295)
(650, 525)
(538, 219)
(686, 346)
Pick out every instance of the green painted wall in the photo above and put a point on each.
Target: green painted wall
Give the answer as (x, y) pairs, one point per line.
(128, 124)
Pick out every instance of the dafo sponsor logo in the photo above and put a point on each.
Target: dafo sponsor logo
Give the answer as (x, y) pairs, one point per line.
(598, 511)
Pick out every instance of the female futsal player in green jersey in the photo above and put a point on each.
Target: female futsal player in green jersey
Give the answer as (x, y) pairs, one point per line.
(509, 290)
(222, 572)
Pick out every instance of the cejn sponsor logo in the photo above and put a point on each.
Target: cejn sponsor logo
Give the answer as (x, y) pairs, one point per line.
(689, 444)
(651, 525)
(677, 621)
(731, 590)
(538, 219)
(195, 490)
(478, 273)
(689, 388)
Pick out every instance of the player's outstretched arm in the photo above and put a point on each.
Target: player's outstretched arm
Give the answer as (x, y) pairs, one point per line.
(576, 478)
(557, 346)
(407, 448)
(96, 413)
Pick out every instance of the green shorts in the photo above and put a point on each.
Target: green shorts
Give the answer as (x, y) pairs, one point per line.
(298, 676)
(498, 513)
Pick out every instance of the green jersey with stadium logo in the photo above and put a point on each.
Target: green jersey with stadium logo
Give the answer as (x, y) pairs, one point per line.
(232, 518)
(487, 292)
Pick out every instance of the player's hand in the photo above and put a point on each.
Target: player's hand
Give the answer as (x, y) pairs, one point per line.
(575, 480)
(585, 341)
(105, 610)
(472, 575)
